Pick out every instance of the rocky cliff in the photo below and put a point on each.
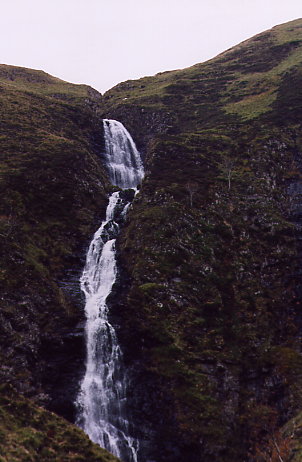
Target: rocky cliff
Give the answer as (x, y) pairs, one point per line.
(208, 301)
(211, 253)
(53, 192)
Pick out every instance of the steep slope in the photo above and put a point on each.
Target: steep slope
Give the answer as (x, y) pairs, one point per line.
(53, 192)
(210, 314)
(244, 81)
(207, 305)
(30, 433)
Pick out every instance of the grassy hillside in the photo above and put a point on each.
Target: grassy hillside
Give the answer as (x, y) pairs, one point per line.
(30, 81)
(244, 81)
(211, 251)
(53, 192)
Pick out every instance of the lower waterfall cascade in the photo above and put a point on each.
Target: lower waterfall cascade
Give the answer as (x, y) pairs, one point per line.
(101, 402)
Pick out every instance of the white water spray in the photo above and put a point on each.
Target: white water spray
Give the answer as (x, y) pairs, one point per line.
(101, 401)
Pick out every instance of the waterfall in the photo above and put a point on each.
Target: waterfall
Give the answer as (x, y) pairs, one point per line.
(101, 402)
(123, 159)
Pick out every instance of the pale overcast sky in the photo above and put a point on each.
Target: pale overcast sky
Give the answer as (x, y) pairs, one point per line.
(104, 42)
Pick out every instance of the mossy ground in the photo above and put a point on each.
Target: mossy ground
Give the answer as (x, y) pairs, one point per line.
(29, 433)
(243, 81)
(209, 296)
(211, 246)
(53, 193)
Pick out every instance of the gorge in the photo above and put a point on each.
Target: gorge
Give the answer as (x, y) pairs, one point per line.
(198, 284)
(102, 399)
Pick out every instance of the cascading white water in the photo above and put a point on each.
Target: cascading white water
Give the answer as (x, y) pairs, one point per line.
(101, 401)
(124, 161)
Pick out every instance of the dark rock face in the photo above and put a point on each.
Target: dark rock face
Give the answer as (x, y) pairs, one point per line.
(144, 122)
(209, 297)
(64, 367)
(211, 321)
(53, 188)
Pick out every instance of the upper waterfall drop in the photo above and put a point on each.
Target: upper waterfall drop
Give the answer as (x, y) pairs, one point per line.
(102, 399)
(123, 160)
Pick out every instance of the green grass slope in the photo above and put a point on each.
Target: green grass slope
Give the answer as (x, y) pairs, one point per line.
(40, 83)
(243, 81)
(211, 251)
(28, 433)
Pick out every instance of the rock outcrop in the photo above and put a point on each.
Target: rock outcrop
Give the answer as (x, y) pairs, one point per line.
(208, 301)
(211, 252)
(53, 194)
